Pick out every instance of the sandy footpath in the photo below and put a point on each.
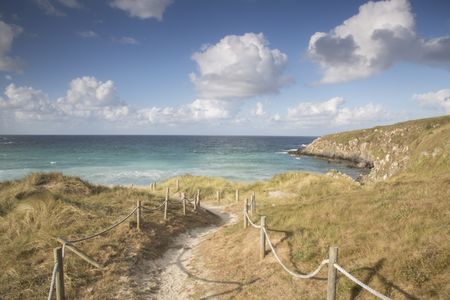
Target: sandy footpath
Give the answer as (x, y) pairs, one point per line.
(165, 278)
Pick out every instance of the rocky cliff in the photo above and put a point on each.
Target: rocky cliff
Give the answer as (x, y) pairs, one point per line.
(384, 149)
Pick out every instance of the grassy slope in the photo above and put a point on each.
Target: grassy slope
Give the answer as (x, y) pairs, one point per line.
(42, 206)
(405, 133)
(393, 234)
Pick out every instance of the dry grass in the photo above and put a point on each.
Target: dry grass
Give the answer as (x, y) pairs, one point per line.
(43, 206)
(394, 235)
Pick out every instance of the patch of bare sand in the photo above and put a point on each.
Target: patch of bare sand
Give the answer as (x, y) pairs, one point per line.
(166, 277)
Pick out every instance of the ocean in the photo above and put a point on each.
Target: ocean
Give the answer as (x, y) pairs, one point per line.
(144, 159)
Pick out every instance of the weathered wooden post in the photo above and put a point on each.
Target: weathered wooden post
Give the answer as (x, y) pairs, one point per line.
(178, 185)
(195, 204)
(138, 215)
(251, 205)
(59, 276)
(254, 203)
(183, 198)
(245, 213)
(218, 197)
(237, 195)
(198, 199)
(166, 203)
(262, 240)
(333, 258)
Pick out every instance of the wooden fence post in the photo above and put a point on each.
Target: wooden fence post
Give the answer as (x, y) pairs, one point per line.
(138, 215)
(218, 197)
(178, 185)
(237, 195)
(59, 276)
(262, 241)
(198, 199)
(195, 203)
(166, 203)
(251, 205)
(333, 258)
(254, 203)
(183, 198)
(245, 213)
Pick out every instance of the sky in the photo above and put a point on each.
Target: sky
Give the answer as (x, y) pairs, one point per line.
(216, 67)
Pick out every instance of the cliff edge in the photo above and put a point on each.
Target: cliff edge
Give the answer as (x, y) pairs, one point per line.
(386, 150)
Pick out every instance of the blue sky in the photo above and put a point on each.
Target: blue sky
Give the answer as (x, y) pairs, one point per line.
(220, 67)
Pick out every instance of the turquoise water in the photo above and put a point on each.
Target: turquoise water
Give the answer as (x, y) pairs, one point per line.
(144, 159)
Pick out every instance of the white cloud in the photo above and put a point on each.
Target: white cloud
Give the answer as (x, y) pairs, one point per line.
(27, 103)
(88, 97)
(126, 40)
(439, 100)
(381, 34)
(87, 34)
(143, 9)
(239, 67)
(8, 32)
(259, 110)
(199, 110)
(332, 112)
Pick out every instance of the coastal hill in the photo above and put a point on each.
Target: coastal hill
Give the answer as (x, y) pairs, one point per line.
(385, 149)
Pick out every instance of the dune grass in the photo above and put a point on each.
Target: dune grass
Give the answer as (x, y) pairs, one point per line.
(40, 207)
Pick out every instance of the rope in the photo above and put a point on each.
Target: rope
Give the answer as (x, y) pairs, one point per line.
(106, 230)
(153, 209)
(250, 221)
(295, 274)
(52, 282)
(366, 287)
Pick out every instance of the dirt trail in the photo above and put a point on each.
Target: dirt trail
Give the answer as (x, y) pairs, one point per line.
(165, 278)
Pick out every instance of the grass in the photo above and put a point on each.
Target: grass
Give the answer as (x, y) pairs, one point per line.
(392, 234)
(43, 206)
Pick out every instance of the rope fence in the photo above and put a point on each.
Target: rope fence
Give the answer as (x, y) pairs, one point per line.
(57, 279)
(331, 261)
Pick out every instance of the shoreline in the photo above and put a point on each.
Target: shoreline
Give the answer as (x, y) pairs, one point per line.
(355, 163)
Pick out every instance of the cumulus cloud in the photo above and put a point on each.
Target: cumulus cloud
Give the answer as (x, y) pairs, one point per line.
(88, 97)
(143, 9)
(27, 103)
(332, 112)
(439, 100)
(379, 35)
(8, 32)
(239, 67)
